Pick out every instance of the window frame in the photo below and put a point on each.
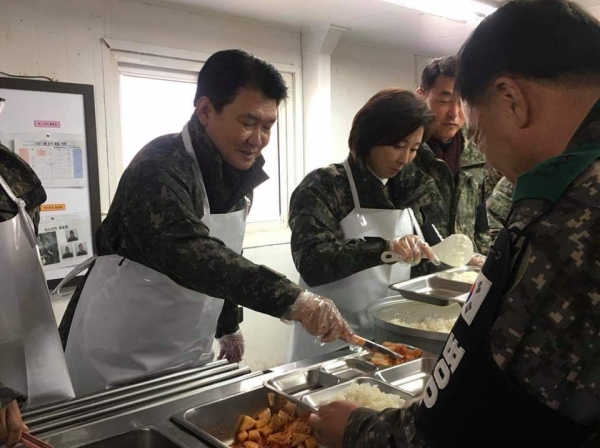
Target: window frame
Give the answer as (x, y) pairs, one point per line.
(134, 59)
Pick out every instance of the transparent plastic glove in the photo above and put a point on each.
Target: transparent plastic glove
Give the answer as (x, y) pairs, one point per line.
(477, 260)
(232, 346)
(320, 317)
(412, 249)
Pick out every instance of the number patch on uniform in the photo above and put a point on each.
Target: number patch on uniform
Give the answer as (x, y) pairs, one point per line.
(479, 291)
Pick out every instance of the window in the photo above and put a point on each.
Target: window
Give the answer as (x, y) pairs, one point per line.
(155, 102)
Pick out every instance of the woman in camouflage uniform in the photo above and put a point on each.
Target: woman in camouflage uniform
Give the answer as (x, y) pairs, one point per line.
(345, 216)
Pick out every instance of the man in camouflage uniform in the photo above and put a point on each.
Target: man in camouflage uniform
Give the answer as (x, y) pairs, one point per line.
(543, 313)
(155, 217)
(498, 205)
(462, 178)
(26, 185)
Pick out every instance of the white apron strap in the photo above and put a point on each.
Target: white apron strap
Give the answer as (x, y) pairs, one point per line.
(187, 142)
(28, 223)
(352, 184)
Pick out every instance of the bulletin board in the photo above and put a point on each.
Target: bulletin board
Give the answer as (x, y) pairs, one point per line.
(52, 126)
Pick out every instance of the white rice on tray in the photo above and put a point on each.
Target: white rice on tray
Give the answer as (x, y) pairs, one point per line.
(465, 277)
(369, 396)
(439, 324)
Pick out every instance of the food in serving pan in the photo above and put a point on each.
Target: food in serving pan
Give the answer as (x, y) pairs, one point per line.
(440, 324)
(281, 425)
(369, 396)
(409, 354)
(463, 277)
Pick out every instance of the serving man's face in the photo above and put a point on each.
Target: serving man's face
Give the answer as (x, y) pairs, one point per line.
(242, 129)
(445, 105)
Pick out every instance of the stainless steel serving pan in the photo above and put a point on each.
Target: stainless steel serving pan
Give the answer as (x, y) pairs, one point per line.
(397, 307)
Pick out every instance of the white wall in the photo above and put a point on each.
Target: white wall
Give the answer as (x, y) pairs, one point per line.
(359, 71)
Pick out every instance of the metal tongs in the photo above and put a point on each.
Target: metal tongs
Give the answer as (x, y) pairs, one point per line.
(375, 347)
(27, 440)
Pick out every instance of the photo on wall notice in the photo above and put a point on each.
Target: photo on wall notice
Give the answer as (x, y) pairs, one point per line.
(71, 239)
(67, 251)
(72, 235)
(48, 247)
(81, 249)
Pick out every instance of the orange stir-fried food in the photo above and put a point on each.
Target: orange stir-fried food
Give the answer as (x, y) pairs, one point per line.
(281, 425)
(381, 360)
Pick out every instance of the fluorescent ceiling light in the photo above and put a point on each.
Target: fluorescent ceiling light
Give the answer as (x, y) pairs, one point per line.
(459, 10)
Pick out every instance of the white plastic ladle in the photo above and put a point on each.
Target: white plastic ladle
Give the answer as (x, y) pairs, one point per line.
(455, 251)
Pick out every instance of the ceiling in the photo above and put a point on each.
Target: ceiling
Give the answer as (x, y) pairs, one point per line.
(370, 21)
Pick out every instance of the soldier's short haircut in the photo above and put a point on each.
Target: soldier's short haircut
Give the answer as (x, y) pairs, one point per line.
(388, 118)
(552, 41)
(438, 67)
(228, 71)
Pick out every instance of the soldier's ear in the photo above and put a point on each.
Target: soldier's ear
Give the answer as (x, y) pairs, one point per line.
(513, 101)
(204, 110)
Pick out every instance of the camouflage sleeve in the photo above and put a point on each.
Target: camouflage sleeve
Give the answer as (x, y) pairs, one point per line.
(499, 204)
(394, 428)
(163, 223)
(8, 395)
(320, 252)
(228, 320)
(484, 239)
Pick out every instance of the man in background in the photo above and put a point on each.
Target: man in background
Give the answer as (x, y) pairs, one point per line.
(461, 175)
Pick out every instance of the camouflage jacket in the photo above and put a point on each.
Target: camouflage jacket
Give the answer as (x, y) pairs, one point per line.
(457, 211)
(546, 334)
(25, 184)
(154, 219)
(324, 198)
(498, 205)
(8, 395)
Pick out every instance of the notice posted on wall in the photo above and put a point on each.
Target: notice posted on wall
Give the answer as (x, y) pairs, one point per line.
(64, 241)
(57, 162)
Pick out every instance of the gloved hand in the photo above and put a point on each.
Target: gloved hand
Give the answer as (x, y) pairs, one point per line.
(477, 260)
(320, 317)
(232, 346)
(412, 249)
(11, 424)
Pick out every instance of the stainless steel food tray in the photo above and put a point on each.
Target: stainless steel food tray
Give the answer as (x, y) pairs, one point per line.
(411, 376)
(300, 382)
(349, 368)
(218, 421)
(314, 400)
(433, 289)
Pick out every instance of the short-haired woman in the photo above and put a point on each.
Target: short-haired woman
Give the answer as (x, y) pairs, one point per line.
(346, 215)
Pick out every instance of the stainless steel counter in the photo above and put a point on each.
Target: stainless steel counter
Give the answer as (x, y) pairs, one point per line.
(148, 406)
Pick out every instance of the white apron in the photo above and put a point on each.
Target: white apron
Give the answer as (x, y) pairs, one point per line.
(132, 321)
(353, 294)
(31, 358)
